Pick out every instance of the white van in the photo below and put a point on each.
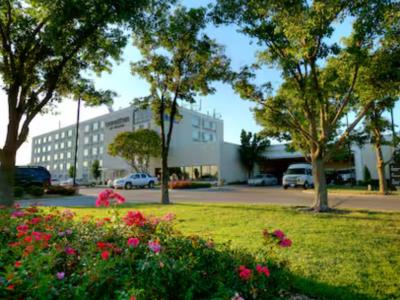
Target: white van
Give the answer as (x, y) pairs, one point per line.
(298, 175)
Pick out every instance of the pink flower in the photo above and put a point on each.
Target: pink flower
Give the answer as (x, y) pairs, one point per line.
(22, 228)
(133, 242)
(68, 231)
(35, 220)
(60, 275)
(279, 234)
(244, 273)
(263, 270)
(285, 243)
(134, 218)
(70, 251)
(120, 199)
(104, 197)
(168, 217)
(155, 246)
(68, 214)
(237, 297)
(105, 255)
(17, 214)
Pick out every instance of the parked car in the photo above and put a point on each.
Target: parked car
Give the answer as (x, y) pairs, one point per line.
(298, 175)
(135, 180)
(55, 181)
(78, 182)
(346, 176)
(263, 179)
(30, 175)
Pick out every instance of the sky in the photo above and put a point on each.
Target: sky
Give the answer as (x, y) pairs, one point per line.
(235, 112)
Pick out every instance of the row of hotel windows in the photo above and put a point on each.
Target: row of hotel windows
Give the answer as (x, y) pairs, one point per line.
(198, 136)
(62, 166)
(95, 139)
(60, 156)
(61, 135)
(207, 124)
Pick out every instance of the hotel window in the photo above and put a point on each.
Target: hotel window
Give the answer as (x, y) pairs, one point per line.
(57, 136)
(101, 163)
(195, 121)
(85, 163)
(86, 140)
(70, 132)
(94, 151)
(196, 135)
(62, 145)
(61, 167)
(87, 128)
(39, 141)
(55, 167)
(85, 152)
(55, 156)
(101, 137)
(43, 158)
(209, 124)
(61, 156)
(49, 148)
(44, 140)
(48, 167)
(69, 144)
(95, 125)
(95, 138)
(102, 124)
(56, 147)
(63, 134)
(49, 138)
(48, 157)
(44, 149)
(68, 154)
(68, 166)
(101, 150)
(38, 150)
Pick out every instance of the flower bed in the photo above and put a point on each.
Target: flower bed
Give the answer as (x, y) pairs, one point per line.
(48, 255)
(186, 184)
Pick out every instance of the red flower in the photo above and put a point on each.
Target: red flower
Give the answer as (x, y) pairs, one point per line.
(32, 209)
(105, 255)
(244, 273)
(17, 264)
(285, 243)
(10, 287)
(134, 218)
(70, 251)
(133, 242)
(279, 234)
(28, 239)
(263, 270)
(17, 214)
(35, 220)
(22, 228)
(132, 298)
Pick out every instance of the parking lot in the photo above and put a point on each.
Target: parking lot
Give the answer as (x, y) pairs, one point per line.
(237, 194)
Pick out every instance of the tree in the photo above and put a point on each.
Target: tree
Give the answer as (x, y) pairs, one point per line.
(252, 148)
(179, 62)
(95, 169)
(71, 172)
(46, 47)
(136, 148)
(318, 75)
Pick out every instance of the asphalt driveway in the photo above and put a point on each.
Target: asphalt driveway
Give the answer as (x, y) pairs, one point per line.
(234, 194)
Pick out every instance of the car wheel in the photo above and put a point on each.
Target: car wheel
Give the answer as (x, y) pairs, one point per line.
(128, 186)
(151, 185)
(285, 187)
(306, 185)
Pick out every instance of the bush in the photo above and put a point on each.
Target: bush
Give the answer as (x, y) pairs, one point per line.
(61, 190)
(36, 191)
(185, 184)
(18, 191)
(49, 255)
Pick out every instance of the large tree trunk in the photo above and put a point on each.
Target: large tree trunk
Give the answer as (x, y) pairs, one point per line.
(380, 167)
(164, 178)
(321, 191)
(7, 168)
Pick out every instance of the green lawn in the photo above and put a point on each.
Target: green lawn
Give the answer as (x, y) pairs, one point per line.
(347, 255)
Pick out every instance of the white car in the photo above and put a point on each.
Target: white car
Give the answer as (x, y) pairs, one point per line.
(135, 180)
(263, 179)
(298, 175)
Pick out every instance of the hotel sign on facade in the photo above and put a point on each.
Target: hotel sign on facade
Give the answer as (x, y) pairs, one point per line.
(118, 123)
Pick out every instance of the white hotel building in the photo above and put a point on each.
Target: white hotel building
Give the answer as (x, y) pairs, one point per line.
(197, 150)
(197, 147)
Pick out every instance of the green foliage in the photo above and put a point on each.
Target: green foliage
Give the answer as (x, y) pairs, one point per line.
(136, 148)
(93, 259)
(367, 175)
(252, 148)
(36, 191)
(18, 191)
(61, 190)
(71, 171)
(95, 169)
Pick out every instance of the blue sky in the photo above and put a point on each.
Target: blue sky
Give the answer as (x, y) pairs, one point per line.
(235, 112)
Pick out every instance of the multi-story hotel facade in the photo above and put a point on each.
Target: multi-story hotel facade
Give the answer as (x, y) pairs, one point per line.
(197, 147)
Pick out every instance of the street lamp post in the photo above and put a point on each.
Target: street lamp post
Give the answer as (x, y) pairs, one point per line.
(76, 140)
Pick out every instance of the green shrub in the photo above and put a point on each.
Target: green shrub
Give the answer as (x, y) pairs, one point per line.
(18, 191)
(51, 255)
(36, 191)
(186, 184)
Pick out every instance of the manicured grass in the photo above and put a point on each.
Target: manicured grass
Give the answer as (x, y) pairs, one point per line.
(345, 255)
(363, 190)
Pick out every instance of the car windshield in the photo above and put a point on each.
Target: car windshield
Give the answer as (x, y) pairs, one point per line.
(296, 171)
